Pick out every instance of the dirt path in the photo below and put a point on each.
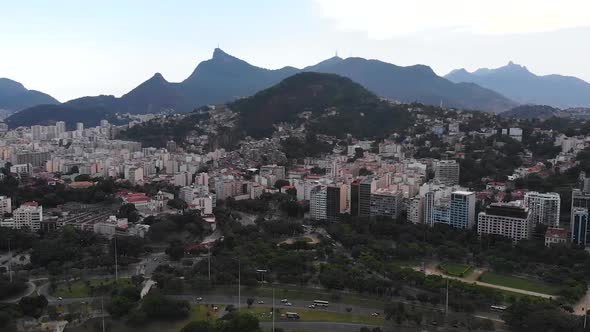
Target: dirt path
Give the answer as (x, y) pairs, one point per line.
(582, 306)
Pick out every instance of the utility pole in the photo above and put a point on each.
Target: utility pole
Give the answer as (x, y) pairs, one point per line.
(585, 317)
(273, 310)
(209, 263)
(116, 267)
(447, 300)
(239, 283)
(9, 262)
(102, 312)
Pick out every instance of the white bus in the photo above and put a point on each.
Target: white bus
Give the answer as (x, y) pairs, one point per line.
(320, 303)
(498, 307)
(292, 315)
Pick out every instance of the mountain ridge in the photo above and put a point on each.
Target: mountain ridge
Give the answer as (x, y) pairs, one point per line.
(15, 97)
(224, 78)
(518, 83)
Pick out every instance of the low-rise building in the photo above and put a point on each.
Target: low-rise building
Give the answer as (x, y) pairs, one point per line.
(555, 236)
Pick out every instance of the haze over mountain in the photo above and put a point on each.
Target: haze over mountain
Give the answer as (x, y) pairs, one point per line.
(518, 83)
(416, 83)
(225, 78)
(15, 97)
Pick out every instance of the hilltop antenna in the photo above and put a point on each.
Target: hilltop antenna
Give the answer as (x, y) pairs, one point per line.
(336, 54)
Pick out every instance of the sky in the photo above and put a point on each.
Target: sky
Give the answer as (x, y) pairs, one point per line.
(72, 48)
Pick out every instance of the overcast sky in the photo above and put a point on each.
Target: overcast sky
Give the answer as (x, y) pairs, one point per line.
(72, 48)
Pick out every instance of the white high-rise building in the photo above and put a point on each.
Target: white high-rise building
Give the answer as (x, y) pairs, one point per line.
(28, 216)
(447, 172)
(60, 127)
(506, 219)
(5, 205)
(36, 132)
(318, 203)
(544, 207)
(79, 126)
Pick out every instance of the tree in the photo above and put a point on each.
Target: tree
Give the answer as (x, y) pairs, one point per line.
(292, 192)
(157, 307)
(175, 250)
(128, 211)
(177, 203)
(250, 301)
(120, 306)
(364, 172)
(198, 326)
(242, 322)
(33, 306)
(281, 183)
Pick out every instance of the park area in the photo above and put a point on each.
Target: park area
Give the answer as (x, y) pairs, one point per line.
(518, 283)
(456, 270)
(86, 288)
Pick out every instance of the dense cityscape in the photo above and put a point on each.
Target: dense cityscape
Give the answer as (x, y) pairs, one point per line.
(349, 194)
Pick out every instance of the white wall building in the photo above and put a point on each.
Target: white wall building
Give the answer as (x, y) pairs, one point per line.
(544, 207)
(28, 216)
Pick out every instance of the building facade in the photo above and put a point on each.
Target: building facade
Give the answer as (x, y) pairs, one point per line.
(544, 207)
(28, 216)
(386, 203)
(318, 203)
(462, 211)
(447, 172)
(506, 219)
(579, 227)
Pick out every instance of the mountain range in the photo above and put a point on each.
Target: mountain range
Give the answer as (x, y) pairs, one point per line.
(225, 78)
(322, 103)
(15, 97)
(519, 84)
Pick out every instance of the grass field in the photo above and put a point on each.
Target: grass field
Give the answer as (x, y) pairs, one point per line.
(456, 270)
(518, 283)
(84, 289)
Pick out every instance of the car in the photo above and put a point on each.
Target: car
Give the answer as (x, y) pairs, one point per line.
(260, 302)
(284, 301)
(289, 304)
(199, 299)
(311, 306)
(375, 314)
(60, 298)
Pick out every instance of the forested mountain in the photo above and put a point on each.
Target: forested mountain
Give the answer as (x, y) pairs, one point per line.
(540, 112)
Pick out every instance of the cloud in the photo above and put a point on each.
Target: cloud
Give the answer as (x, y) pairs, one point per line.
(382, 19)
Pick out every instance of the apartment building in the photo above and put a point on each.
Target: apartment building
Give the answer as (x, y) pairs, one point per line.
(544, 207)
(510, 220)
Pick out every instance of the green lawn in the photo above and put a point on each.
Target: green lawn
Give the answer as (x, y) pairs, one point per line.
(84, 289)
(456, 270)
(315, 315)
(518, 283)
